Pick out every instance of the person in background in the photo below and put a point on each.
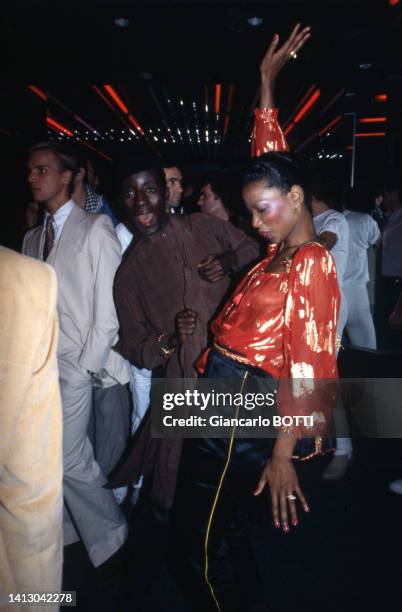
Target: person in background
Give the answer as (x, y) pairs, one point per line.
(85, 253)
(390, 281)
(213, 197)
(363, 234)
(140, 381)
(85, 195)
(108, 427)
(174, 183)
(31, 473)
(333, 232)
(170, 283)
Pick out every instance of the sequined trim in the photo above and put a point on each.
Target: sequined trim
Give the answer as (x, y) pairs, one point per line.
(318, 451)
(233, 356)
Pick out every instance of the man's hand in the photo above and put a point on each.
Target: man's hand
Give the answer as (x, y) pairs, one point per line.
(215, 267)
(185, 321)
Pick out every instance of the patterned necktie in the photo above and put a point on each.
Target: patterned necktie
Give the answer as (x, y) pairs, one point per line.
(49, 238)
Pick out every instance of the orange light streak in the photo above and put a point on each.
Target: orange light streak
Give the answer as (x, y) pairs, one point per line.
(217, 98)
(38, 92)
(104, 98)
(330, 125)
(307, 106)
(373, 120)
(116, 98)
(289, 128)
(381, 98)
(58, 126)
(369, 134)
(135, 123)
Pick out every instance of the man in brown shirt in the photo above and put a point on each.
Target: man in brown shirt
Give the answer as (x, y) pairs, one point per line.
(167, 289)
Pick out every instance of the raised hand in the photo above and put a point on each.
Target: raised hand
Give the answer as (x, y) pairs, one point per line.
(275, 59)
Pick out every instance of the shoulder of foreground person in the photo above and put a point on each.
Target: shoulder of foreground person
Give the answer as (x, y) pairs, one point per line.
(24, 270)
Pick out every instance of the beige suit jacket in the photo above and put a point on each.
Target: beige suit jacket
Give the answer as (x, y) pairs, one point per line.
(86, 257)
(30, 430)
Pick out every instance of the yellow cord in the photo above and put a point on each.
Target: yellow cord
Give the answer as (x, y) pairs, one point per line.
(211, 516)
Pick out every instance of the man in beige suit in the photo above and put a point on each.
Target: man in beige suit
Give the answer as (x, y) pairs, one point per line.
(85, 253)
(30, 431)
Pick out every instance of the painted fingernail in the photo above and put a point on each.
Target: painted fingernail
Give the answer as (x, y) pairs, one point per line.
(306, 508)
(285, 527)
(295, 522)
(276, 523)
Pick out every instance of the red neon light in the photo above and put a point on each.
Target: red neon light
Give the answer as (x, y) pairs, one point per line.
(217, 98)
(104, 98)
(289, 128)
(393, 2)
(307, 106)
(369, 134)
(330, 125)
(373, 120)
(381, 98)
(58, 126)
(116, 98)
(136, 125)
(38, 92)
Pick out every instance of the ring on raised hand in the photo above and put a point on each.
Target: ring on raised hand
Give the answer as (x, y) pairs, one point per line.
(293, 55)
(291, 497)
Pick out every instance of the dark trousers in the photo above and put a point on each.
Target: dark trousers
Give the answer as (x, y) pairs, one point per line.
(211, 554)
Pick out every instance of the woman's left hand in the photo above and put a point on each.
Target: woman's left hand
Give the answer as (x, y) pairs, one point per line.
(280, 476)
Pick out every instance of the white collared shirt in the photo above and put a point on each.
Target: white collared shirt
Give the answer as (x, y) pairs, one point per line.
(124, 235)
(59, 218)
(363, 233)
(333, 221)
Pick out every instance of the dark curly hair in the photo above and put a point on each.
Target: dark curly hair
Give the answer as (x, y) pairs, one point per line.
(280, 170)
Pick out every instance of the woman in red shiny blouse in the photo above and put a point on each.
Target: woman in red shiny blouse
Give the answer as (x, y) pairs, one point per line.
(279, 324)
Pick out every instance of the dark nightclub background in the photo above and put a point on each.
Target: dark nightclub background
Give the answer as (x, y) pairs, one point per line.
(181, 77)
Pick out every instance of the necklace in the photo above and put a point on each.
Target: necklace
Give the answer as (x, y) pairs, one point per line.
(287, 261)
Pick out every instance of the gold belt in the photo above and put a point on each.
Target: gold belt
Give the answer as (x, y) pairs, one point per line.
(233, 356)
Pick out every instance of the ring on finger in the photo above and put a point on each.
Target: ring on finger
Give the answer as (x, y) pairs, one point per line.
(293, 55)
(291, 497)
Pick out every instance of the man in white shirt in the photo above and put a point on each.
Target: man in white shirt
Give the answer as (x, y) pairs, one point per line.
(333, 232)
(363, 233)
(84, 251)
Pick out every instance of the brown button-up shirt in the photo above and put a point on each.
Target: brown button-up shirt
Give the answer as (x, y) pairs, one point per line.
(159, 278)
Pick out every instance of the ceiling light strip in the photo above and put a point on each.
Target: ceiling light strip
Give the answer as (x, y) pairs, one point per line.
(370, 134)
(373, 120)
(60, 128)
(330, 125)
(38, 92)
(307, 106)
(218, 89)
(381, 97)
(113, 94)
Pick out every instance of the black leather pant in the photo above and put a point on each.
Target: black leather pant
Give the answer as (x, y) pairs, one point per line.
(211, 554)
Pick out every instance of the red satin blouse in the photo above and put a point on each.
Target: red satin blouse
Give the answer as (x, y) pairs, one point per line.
(285, 324)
